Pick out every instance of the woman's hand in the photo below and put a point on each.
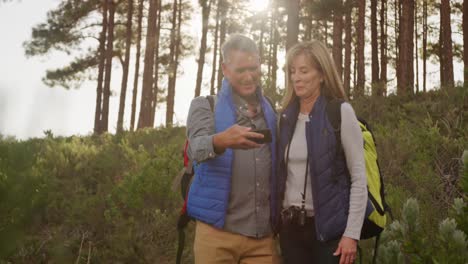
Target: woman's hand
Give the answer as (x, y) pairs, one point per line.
(347, 249)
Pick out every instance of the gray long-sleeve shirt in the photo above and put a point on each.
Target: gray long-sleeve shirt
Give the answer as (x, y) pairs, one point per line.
(249, 206)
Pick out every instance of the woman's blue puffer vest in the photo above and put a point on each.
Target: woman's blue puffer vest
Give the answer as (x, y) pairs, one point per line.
(328, 172)
(208, 197)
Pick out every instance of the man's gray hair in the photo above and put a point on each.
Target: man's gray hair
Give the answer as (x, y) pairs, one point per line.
(238, 42)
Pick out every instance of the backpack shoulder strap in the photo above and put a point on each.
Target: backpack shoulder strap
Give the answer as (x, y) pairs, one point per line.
(334, 113)
(333, 109)
(271, 103)
(211, 100)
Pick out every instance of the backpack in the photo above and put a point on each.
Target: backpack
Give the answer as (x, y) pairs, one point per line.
(375, 222)
(185, 182)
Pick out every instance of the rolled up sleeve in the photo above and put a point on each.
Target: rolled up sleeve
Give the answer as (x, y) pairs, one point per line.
(200, 130)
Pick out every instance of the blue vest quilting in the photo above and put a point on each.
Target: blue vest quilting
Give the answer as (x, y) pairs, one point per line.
(328, 172)
(208, 196)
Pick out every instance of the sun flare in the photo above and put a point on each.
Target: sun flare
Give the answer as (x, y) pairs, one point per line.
(258, 5)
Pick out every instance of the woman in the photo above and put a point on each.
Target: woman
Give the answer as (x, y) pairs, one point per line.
(322, 190)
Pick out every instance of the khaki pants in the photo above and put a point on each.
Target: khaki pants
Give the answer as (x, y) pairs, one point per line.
(216, 246)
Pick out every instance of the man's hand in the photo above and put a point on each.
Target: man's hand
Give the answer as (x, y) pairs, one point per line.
(236, 137)
(347, 249)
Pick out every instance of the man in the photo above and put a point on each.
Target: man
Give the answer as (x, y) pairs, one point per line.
(234, 176)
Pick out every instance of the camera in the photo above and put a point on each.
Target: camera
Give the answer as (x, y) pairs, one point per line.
(294, 215)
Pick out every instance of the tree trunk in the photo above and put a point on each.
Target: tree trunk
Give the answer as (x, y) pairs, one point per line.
(375, 49)
(223, 7)
(215, 51)
(309, 23)
(154, 101)
(137, 65)
(383, 49)
(355, 69)
(271, 43)
(147, 89)
(465, 42)
(405, 79)
(446, 53)
(206, 5)
(361, 77)
(123, 90)
(397, 12)
(102, 57)
(274, 60)
(424, 58)
(338, 38)
(293, 23)
(416, 44)
(171, 77)
(107, 78)
(348, 40)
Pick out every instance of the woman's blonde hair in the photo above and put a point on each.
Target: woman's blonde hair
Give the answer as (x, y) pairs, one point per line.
(319, 56)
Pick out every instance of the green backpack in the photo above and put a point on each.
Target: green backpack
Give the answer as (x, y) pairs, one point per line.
(377, 220)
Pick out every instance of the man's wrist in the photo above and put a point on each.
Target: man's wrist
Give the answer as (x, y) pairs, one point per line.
(218, 145)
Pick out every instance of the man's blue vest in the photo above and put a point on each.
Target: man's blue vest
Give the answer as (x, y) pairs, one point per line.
(208, 197)
(328, 171)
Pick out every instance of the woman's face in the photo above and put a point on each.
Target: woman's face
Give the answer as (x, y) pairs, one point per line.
(305, 77)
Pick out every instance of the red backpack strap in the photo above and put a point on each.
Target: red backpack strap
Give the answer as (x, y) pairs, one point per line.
(186, 158)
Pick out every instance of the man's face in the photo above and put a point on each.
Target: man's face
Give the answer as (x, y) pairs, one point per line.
(242, 69)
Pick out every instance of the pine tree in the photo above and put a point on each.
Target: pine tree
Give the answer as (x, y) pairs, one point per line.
(405, 76)
(361, 79)
(147, 88)
(137, 65)
(206, 6)
(445, 43)
(126, 64)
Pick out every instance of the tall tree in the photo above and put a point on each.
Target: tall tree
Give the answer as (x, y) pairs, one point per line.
(309, 23)
(137, 64)
(347, 54)
(338, 36)
(383, 49)
(361, 77)
(147, 89)
(445, 44)
(215, 50)
(416, 45)
(108, 68)
(154, 102)
(206, 6)
(405, 76)
(397, 15)
(465, 41)
(102, 59)
(128, 43)
(293, 23)
(424, 47)
(375, 49)
(172, 68)
(223, 11)
(272, 93)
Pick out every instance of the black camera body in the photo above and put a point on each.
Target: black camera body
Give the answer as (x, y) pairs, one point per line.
(294, 215)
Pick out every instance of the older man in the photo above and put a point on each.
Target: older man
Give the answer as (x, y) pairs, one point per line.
(234, 175)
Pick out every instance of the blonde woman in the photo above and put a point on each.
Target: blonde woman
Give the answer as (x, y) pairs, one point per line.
(322, 191)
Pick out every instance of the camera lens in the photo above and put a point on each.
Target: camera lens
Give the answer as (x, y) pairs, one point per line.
(302, 217)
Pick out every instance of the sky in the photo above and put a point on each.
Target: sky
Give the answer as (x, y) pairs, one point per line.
(28, 107)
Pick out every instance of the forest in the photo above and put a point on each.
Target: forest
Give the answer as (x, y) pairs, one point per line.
(109, 197)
